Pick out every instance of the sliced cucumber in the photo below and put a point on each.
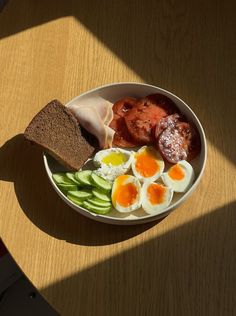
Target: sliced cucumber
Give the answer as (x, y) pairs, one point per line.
(75, 200)
(96, 209)
(61, 178)
(67, 187)
(80, 194)
(101, 195)
(99, 202)
(71, 176)
(101, 183)
(84, 177)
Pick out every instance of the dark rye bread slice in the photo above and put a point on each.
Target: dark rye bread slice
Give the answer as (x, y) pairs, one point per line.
(57, 131)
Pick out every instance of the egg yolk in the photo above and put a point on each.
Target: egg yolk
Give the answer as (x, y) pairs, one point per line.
(176, 172)
(125, 194)
(115, 159)
(146, 164)
(156, 193)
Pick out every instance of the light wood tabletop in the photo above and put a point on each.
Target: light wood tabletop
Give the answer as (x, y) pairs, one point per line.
(182, 265)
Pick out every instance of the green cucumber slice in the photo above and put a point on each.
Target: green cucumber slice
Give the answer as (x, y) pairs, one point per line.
(101, 183)
(101, 195)
(99, 202)
(96, 209)
(84, 177)
(67, 187)
(80, 194)
(71, 176)
(61, 178)
(75, 200)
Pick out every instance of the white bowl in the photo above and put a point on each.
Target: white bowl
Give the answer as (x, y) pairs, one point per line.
(112, 93)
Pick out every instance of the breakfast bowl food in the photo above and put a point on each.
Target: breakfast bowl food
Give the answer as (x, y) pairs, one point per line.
(124, 153)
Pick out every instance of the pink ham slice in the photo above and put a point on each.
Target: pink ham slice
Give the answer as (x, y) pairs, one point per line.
(90, 120)
(109, 116)
(95, 115)
(103, 107)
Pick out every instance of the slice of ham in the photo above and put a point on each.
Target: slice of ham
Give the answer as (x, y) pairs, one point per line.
(110, 135)
(109, 116)
(103, 107)
(90, 120)
(95, 115)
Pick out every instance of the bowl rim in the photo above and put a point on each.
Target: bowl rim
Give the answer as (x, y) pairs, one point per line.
(148, 217)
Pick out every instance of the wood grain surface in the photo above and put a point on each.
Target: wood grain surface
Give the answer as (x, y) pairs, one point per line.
(183, 265)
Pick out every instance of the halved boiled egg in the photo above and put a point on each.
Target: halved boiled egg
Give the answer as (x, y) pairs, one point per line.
(126, 193)
(147, 164)
(112, 162)
(179, 177)
(156, 197)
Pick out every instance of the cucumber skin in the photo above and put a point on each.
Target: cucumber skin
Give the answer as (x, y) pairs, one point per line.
(82, 198)
(64, 188)
(96, 209)
(64, 178)
(77, 202)
(71, 177)
(98, 194)
(99, 202)
(87, 182)
(98, 186)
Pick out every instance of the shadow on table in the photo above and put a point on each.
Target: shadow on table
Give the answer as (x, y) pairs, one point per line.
(197, 258)
(187, 271)
(22, 164)
(186, 47)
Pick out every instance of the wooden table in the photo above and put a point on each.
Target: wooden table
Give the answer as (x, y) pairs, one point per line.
(183, 265)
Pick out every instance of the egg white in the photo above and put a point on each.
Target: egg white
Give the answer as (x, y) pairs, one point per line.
(138, 201)
(183, 184)
(159, 161)
(108, 171)
(154, 209)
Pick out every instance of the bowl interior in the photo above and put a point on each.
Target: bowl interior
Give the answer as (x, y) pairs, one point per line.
(112, 93)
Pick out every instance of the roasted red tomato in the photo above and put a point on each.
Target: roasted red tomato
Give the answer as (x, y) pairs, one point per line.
(122, 137)
(121, 107)
(142, 119)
